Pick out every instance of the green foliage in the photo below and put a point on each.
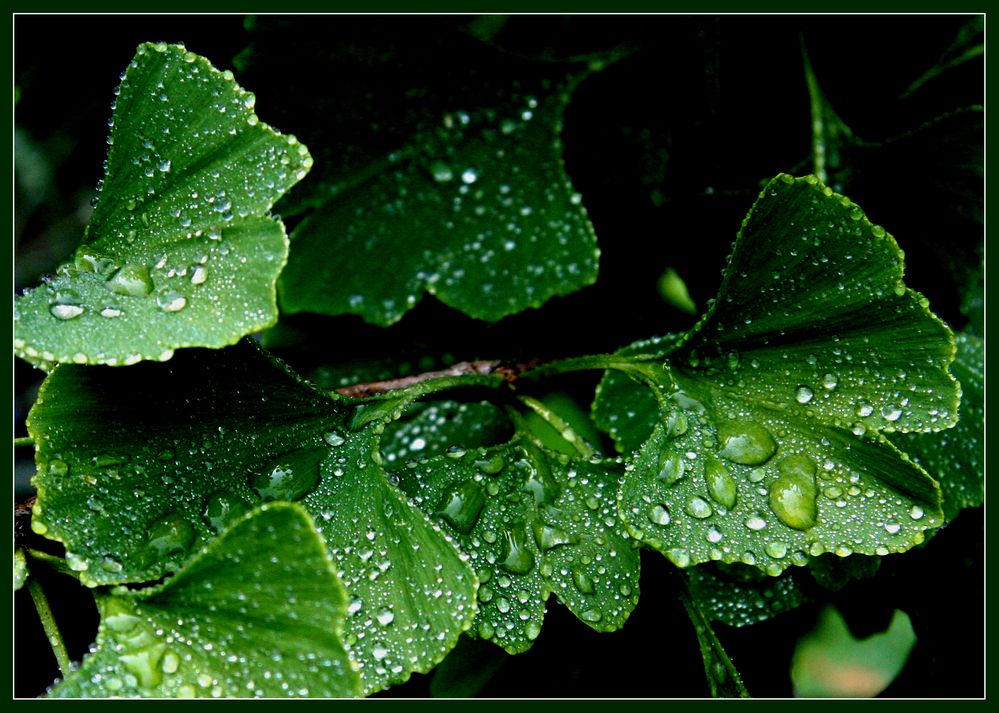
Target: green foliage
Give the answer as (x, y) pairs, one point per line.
(329, 522)
(180, 250)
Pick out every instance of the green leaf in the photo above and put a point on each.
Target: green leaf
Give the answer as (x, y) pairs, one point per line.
(137, 467)
(723, 678)
(532, 522)
(431, 428)
(738, 595)
(411, 593)
(769, 448)
(969, 43)
(440, 176)
(258, 613)
(624, 407)
(180, 250)
(956, 457)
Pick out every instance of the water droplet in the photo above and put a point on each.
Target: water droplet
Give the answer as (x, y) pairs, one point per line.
(131, 280)
(549, 537)
(58, 467)
(66, 311)
(441, 172)
(746, 443)
(891, 413)
(170, 535)
(469, 176)
(676, 424)
(777, 550)
(829, 382)
(698, 507)
(864, 410)
(755, 522)
(532, 630)
(461, 505)
(671, 467)
(291, 476)
(792, 495)
(721, 485)
(171, 662)
(379, 651)
(491, 465)
(164, 166)
(144, 664)
(591, 615)
(222, 508)
(385, 617)
(171, 301)
(803, 395)
(916, 513)
(199, 275)
(334, 439)
(659, 515)
(515, 557)
(582, 581)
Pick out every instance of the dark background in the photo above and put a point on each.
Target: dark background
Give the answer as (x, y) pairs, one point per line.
(669, 147)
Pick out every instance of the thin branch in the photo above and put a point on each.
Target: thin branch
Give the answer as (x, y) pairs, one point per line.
(24, 441)
(464, 368)
(49, 625)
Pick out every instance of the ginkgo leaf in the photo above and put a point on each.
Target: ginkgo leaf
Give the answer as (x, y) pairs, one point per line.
(258, 613)
(180, 250)
(956, 457)
(738, 595)
(768, 449)
(465, 197)
(532, 522)
(138, 467)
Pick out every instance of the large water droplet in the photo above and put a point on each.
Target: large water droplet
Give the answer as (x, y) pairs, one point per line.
(171, 301)
(461, 505)
(515, 557)
(803, 395)
(659, 515)
(671, 466)
(721, 484)
(170, 535)
(746, 442)
(222, 508)
(291, 476)
(549, 537)
(131, 280)
(144, 664)
(792, 495)
(698, 507)
(66, 311)
(583, 581)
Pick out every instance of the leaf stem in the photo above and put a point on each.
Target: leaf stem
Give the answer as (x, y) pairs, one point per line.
(49, 625)
(565, 430)
(723, 677)
(24, 441)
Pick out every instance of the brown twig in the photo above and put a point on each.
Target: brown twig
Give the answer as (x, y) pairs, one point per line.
(482, 367)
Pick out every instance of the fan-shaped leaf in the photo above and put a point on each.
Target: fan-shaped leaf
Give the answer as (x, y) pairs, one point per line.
(259, 612)
(180, 250)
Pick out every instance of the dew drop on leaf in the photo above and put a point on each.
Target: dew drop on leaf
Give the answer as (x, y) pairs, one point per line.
(460, 505)
(745, 442)
(291, 476)
(514, 556)
(792, 495)
(721, 484)
(131, 280)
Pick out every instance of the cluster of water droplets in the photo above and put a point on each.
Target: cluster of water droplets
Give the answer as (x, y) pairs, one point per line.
(531, 524)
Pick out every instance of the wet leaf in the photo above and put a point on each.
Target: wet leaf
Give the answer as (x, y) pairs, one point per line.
(769, 449)
(139, 466)
(411, 593)
(20, 569)
(738, 595)
(181, 250)
(723, 678)
(431, 428)
(532, 522)
(258, 613)
(956, 457)
(443, 176)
